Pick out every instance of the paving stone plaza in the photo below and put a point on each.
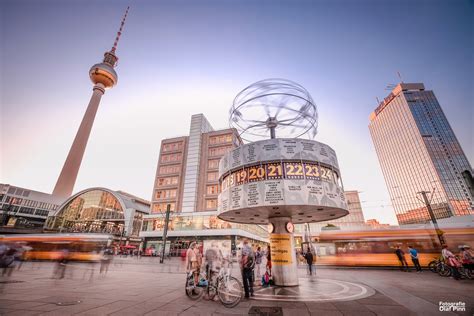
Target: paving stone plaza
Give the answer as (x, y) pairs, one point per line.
(146, 287)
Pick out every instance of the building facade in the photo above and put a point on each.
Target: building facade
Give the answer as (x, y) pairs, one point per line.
(375, 224)
(187, 172)
(187, 180)
(101, 210)
(23, 209)
(418, 151)
(353, 221)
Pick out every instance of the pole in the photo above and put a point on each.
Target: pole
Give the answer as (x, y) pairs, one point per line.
(272, 132)
(120, 241)
(467, 175)
(165, 231)
(439, 232)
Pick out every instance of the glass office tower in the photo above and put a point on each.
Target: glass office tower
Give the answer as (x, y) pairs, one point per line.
(418, 151)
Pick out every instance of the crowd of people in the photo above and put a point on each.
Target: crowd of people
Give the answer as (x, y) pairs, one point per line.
(463, 259)
(215, 258)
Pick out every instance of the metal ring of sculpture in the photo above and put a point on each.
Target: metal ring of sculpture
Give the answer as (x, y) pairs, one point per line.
(280, 106)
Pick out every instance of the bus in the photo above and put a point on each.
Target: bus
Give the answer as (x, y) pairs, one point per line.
(80, 247)
(377, 247)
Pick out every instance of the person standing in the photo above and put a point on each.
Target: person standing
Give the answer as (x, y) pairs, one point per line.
(451, 261)
(269, 260)
(414, 258)
(309, 260)
(401, 257)
(247, 263)
(258, 262)
(192, 261)
(466, 258)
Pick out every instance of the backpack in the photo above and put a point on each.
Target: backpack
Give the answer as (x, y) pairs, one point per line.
(266, 279)
(250, 262)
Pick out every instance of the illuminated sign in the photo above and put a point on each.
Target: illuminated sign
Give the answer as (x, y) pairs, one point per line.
(280, 247)
(278, 170)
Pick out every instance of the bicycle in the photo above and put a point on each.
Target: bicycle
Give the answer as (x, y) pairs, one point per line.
(434, 265)
(227, 288)
(444, 269)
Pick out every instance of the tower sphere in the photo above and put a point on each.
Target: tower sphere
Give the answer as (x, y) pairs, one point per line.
(104, 74)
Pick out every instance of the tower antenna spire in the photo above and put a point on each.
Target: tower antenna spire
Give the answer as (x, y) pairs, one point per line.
(117, 38)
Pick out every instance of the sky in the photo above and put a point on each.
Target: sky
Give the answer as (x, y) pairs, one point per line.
(178, 58)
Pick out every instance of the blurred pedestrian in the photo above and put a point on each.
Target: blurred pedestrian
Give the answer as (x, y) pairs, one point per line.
(414, 258)
(212, 258)
(7, 260)
(226, 258)
(247, 264)
(309, 260)
(61, 264)
(258, 262)
(105, 260)
(401, 257)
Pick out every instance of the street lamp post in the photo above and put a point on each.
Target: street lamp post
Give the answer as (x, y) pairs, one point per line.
(165, 231)
(439, 232)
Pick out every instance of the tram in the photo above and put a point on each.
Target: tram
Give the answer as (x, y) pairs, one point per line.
(79, 247)
(377, 247)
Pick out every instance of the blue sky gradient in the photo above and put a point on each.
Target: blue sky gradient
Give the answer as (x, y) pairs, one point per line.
(178, 58)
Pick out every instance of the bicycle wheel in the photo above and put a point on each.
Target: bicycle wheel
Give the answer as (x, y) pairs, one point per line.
(444, 270)
(192, 291)
(433, 266)
(230, 291)
(469, 274)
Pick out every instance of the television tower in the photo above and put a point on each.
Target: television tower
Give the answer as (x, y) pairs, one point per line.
(104, 77)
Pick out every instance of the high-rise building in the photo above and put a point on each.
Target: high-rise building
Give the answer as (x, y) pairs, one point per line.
(103, 76)
(418, 151)
(187, 179)
(187, 172)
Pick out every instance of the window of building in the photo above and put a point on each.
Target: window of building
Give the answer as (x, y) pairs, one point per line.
(213, 164)
(167, 181)
(219, 151)
(212, 176)
(171, 158)
(161, 207)
(212, 189)
(211, 204)
(165, 194)
(169, 169)
(173, 146)
(221, 139)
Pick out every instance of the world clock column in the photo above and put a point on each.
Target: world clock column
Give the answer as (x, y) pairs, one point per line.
(283, 255)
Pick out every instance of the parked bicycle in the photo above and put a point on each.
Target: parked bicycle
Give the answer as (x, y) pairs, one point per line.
(227, 288)
(435, 265)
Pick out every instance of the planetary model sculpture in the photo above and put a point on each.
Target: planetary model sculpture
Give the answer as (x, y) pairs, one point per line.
(279, 181)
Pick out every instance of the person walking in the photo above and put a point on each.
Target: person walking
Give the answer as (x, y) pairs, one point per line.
(414, 258)
(452, 262)
(258, 262)
(309, 260)
(401, 257)
(247, 263)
